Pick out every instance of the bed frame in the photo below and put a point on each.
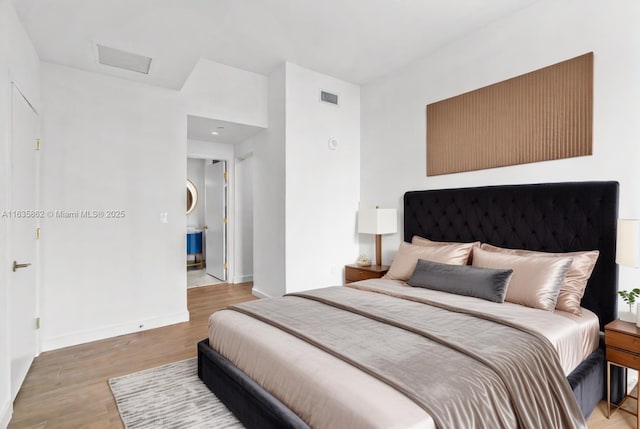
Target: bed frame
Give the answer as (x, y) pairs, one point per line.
(553, 217)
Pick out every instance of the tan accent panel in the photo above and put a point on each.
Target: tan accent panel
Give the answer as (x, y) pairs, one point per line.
(543, 115)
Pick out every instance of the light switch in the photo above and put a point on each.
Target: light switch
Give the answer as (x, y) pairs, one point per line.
(164, 217)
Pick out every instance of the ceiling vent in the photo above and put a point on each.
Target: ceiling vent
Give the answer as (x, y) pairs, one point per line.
(328, 97)
(124, 60)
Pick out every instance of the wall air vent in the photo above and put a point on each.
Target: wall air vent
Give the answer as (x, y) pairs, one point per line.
(124, 60)
(328, 97)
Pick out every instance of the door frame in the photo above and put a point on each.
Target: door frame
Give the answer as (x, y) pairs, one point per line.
(10, 236)
(210, 270)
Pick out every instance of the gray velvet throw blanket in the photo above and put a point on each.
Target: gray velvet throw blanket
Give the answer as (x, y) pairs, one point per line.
(465, 371)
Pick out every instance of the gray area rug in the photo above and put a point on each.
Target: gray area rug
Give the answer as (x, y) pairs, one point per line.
(169, 397)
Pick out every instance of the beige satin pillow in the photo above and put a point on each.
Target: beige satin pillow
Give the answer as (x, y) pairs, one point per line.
(575, 282)
(407, 257)
(421, 241)
(536, 279)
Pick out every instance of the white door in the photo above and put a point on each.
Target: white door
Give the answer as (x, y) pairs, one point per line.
(215, 215)
(22, 240)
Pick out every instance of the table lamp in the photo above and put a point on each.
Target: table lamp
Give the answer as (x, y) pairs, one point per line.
(627, 243)
(628, 255)
(378, 221)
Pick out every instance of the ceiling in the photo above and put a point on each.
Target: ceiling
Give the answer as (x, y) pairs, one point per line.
(199, 128)
(354, 40)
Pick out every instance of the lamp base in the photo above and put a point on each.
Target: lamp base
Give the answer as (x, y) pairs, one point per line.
(378, 249)
(363, 261)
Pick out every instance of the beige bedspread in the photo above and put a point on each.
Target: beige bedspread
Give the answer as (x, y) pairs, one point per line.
(573, 337)
(327, 392)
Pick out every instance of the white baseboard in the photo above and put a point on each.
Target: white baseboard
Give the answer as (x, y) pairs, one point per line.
(5, 414)
(82, 337)
(259, 294)
(243, 279)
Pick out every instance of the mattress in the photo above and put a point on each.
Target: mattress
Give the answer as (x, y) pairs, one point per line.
(327, 392)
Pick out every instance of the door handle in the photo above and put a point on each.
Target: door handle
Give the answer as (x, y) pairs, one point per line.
(17, 265)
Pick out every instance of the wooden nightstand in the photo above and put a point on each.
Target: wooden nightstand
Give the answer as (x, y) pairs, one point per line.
(354, 273)
(622, 340)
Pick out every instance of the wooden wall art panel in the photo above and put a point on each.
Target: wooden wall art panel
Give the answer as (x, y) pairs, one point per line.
(543, 115)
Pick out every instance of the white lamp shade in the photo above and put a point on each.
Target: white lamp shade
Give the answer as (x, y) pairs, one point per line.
(628, 240)
(377, 221)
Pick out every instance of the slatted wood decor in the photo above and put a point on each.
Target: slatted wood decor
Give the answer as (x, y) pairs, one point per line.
(543, 115)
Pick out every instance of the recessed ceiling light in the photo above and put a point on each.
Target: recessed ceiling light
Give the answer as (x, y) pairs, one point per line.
(215, 133)
(124, 60)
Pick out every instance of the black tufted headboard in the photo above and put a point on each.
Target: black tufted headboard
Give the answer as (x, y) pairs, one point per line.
(551, 217)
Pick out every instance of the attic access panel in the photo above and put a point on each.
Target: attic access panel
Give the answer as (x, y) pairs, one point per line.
(124, 60)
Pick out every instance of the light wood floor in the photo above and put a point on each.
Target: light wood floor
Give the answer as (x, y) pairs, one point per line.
(619, 419)
(68, 388)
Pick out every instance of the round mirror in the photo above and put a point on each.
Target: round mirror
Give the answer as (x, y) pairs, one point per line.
(192, 196)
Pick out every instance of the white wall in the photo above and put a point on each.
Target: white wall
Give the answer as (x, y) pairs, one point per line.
(305, 195)
(195, 173)
(209, 150)
(18, 63)
(244, 219)
(393, 108)
(269, 194)
(244, 149)
(322, 185)
(24, 64)
(217, 91)
(111, 144)
(244, 231)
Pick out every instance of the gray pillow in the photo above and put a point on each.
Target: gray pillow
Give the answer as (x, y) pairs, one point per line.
(485, 283)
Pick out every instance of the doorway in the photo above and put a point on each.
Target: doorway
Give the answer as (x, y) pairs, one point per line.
(230, 143)
(207, 220)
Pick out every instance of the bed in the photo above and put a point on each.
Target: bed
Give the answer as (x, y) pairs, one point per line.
(561, 217)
